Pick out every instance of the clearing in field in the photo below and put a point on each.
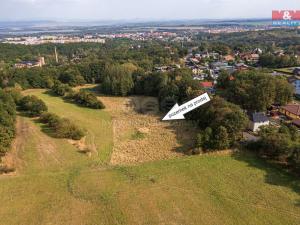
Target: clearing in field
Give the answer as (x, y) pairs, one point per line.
(141, 136)
(56, 184)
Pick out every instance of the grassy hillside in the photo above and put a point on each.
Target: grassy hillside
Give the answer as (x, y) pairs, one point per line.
(58, 185)
(96, 122)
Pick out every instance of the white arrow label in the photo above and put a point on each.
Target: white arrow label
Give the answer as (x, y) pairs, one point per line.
(177, 112)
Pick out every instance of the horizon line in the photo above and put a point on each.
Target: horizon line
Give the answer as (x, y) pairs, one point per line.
(135, 19)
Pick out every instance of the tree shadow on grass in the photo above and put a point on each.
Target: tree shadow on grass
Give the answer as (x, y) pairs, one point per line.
(66, 100)
(275, 174)
(186, 133)
(44, 128)
(51, 93)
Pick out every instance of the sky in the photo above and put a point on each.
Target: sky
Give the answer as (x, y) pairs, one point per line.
(94, 10)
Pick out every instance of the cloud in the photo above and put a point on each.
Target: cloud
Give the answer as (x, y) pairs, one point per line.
(44, 2)
(130, 9)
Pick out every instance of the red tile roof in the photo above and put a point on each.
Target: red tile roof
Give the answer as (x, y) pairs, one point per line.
(207, 84)
(294, 109)
(231, 78)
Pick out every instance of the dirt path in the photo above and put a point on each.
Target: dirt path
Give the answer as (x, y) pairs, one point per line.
(13, 158)
(140, 135)
(46, 150)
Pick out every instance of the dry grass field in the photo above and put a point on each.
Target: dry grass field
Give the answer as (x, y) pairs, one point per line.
(142, 137)
(125, 180)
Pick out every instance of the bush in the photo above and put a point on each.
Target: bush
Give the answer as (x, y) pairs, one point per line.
(32, 105)
(279, 145)
(15, 93)
(88, 99)
(294, 159)
(199, 140)
(49, 118)
(137, 135)
(70, 95)
(6, 170)
(6, 136)
(62, 128)
(216, 113)
(221, 140)
(216, 139)
(61, 89)
(197, 151)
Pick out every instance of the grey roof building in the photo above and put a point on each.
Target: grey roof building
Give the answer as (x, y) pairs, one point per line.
(258, 119)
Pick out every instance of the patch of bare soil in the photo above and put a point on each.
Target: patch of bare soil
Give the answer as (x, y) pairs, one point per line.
(83, 147)
(141, 136)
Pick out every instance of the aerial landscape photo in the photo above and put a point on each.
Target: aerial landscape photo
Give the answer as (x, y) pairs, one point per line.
(141, 112)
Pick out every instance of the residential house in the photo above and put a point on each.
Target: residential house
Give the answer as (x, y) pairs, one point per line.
(218, 66)
(241, 66)
(198, 56)
(208, 86)
(228, 58)
(194, 60)
(257, 51)
(279, 53)
(296, 71)
(206, 55)
(30, 64)
(250, 57)
(199, 77)
(292, 111)
(258, 120)
(231, 78)
(198, 70)
(162, 68)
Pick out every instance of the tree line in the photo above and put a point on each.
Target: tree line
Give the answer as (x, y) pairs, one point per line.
(272, 61)
(254, 90)
(61, 127)
(280, 145)
(82, 97)
(7, 119)
(268, 41)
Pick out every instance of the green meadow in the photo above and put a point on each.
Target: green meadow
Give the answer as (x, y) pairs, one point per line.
(56, 184)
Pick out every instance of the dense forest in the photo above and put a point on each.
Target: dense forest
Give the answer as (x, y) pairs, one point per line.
(287, 39)
(7, 120)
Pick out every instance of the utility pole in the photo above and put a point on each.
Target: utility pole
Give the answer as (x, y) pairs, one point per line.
(56, 55)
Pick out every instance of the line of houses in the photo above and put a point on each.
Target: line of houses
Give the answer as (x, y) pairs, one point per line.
(209, 64)
(290, 113)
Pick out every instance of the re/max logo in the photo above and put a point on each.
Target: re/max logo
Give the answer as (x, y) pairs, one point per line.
(286, 17)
